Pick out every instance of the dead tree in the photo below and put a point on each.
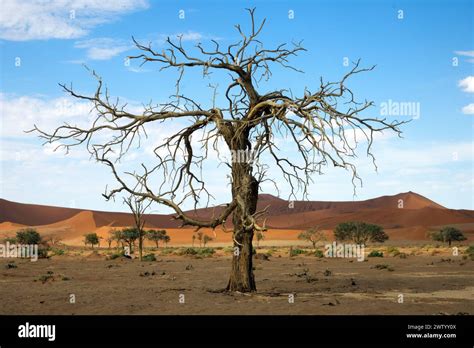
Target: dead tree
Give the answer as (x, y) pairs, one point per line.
(321, 126)
(138, 207)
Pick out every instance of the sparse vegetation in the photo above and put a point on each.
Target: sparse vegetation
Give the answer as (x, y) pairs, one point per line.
(470, 252)
(318, 253)
(360, 232)
(92, 239)
(130, 235)
(375, 253)
(157, 236)
(296, 252)
(260, 236)
(313, 236)
(149, 257)
(393, 251)
(28, 236)
(11, 265)
(448, 235)
(383, 266)
(206, 239)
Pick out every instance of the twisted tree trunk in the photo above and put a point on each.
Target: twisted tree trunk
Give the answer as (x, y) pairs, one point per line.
(245, 192)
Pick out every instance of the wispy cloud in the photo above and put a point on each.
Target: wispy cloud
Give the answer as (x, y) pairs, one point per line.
(469, 54)
(68, 19)
(103, 48)
(468, 109)
(467, 84)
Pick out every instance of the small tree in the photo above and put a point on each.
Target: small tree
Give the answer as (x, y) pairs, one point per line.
(156, 236)
(54, 239)
(200, 237)
(206, 239)
(117, 236)
(260, 236)
(28, 236)
(360, 232)
(138, 207)
(312, 235)
(130, 235)
(166, 239)
(109, 241)
(91, 238)
(448, 234)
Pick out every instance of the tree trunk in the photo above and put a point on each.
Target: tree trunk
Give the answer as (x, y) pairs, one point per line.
(245, 191)
(140, 246)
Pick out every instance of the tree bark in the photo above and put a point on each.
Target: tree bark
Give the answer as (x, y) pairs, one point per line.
(140, 246)
(245, 191)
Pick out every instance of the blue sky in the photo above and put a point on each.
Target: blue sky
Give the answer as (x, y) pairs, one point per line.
(413, 43)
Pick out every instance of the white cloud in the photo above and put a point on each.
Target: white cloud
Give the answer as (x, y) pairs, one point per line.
(21, 113)
(467, 84)
(465, 53)
(65, 19)
(103, 48)
(468, 109)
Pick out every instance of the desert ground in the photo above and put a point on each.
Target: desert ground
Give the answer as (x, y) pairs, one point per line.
(430, 278)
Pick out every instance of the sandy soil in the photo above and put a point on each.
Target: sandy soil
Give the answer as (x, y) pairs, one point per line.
(430, 285)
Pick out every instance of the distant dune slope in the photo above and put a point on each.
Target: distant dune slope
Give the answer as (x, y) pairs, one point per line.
(408, 213)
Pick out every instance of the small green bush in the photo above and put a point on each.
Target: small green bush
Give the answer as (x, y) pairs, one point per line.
(149, 257)
(296, 252)
(470, 252)
(318, 253)
(375, 253)
(187, 251)
(166, 251)
(228, 249)
(206, 251)
(116, 255)
(58, 251)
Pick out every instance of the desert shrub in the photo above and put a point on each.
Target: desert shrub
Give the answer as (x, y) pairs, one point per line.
(11, 240)
(318, 253)
(116, 255)
(393, 251)
(206, 239)
(166, 251)
(42, 252)
(313, 236)
(149, 257)
(28, 236)
(296, 252)
(187, 251)
(57, 251)
(205, 251)
(91, 238)
(375, 253)
(402, 255)
(360, 232)
(157, 236)
(381, 266)
(11, 265)
(448, 235)
(470, 252)
(228, 249)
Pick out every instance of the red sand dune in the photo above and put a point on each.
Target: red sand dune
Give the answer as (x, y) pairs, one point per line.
(284, 219)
